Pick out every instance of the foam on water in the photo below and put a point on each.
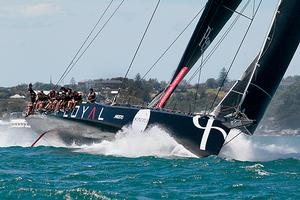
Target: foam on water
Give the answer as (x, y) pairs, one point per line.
(260, 148)
(15, 137)
(128, 143)
(157, 142)
(3, 123)
(24, 137)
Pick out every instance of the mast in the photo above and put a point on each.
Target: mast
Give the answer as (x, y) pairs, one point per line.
(272, 62)
(212, 20)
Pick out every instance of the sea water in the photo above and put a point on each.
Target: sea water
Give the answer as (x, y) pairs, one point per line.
(147, 166)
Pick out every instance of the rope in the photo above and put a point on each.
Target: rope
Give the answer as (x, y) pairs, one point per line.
(104, 25)
(87, 38)
(232, 139)
(235, 56)
(168, 48)
(136, 51)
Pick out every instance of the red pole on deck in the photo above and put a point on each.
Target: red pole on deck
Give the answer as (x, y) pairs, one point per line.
(171, 87)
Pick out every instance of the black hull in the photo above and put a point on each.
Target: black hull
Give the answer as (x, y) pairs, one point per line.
(202, 135)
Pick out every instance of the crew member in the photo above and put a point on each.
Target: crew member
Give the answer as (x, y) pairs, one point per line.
(77, 98)
(31, 93)
(31, 105)
(42, 100)
(70, 99)
(91, 96)
(51, 99)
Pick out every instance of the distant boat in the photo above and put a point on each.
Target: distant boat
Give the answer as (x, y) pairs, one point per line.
(240, 110)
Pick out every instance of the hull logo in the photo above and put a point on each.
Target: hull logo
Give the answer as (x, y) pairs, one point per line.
(141, 120)
(120, 117)
(207, 130)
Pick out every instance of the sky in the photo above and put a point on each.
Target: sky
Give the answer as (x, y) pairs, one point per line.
(39, 38)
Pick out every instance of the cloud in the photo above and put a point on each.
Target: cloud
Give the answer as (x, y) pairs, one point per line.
(29, 10)
(37, 10)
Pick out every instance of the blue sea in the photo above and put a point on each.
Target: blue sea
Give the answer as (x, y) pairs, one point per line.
(150, 166)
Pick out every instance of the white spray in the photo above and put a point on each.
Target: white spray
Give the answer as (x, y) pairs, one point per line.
(157, 142)
(128, 143)
(260, 148)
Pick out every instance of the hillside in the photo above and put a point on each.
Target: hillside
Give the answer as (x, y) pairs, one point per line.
(283, 112)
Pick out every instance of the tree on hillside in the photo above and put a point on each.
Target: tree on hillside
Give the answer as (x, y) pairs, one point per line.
(138, 86)
(211, 83)
(223, 78)
(154, 84)
(42, 86)
(141, 88)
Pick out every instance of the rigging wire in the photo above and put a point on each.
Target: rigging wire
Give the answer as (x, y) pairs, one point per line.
(234, 11)
(139, 45)
(235, 56)
(212, 51)
(104, 25)
(193, 42)
(198, 84)
(168, 48)
(219, 42)
(85, 41)
(240, 132)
